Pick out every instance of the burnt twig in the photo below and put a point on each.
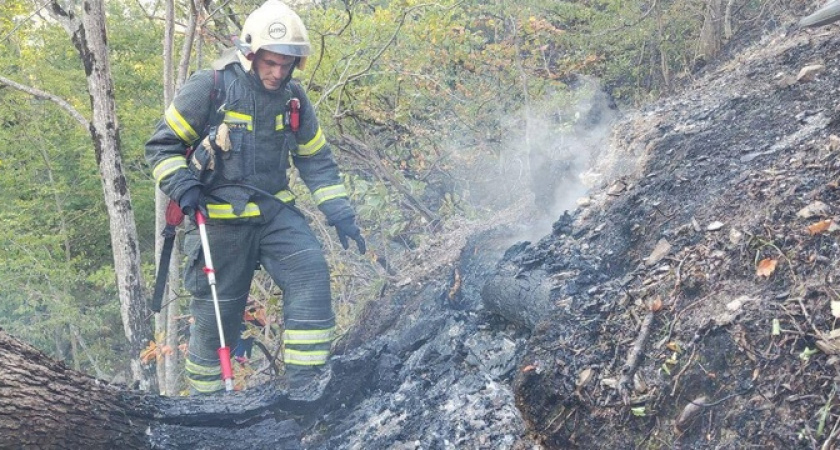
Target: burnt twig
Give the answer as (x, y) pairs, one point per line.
(634, 358)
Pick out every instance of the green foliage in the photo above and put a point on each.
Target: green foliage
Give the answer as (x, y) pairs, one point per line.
(432, 89)
(57, 268)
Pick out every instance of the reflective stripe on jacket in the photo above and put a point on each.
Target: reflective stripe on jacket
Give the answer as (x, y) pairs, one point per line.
(262, 146)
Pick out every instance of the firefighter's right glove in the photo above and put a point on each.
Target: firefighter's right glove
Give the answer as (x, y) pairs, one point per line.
(347, 228)
(193, 200)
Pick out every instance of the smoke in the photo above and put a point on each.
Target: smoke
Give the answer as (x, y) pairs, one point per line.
(553, 144)
(535, 162)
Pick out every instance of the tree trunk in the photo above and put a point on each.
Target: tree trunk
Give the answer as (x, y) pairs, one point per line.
(168, 362)
(89, 38)
(663, 55)
(166, 324)
(727, 20)
(44, 404)
(711, 35)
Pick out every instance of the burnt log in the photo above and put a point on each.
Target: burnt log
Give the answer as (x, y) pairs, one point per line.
(521, 298)
(44, 404)
(397, 385)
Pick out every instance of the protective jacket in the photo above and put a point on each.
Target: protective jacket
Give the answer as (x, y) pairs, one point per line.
(262, 144)
(239, 184)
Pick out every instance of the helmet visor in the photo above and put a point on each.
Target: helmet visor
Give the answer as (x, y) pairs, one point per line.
(287, 49)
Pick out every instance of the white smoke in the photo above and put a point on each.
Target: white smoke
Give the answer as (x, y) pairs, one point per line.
(549, 156)
(552, 145)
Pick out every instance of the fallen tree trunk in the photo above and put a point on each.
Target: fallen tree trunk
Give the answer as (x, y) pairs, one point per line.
(432, 355)
(44, 404)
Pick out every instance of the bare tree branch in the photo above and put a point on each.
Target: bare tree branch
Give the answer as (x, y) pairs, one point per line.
(149, 15)
(324, 43)
(379, 53)
(19, 24)
(363, 153)
(37, 93)
(189, 40)
(221, 15)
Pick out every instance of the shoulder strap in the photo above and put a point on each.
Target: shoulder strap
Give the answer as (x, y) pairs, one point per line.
(217, 100)
(217, 96)
(296, 88)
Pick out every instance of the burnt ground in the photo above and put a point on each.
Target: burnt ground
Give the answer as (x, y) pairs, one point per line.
(686, 240)
(427, 366)
(651, 317)
(687, 305)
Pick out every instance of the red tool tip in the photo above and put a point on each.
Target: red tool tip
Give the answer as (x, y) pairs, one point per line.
(224, 359)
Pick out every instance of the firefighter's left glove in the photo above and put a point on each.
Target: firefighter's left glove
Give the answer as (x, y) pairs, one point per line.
(347, 228)
(193, 200)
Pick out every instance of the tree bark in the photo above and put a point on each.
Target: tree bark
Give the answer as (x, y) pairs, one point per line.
(44, 404)
(524, 300)
(89, 37)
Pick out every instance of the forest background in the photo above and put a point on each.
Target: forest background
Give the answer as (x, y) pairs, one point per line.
(433, 109)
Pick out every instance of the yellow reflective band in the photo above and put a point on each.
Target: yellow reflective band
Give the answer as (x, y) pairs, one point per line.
(225, 210)
(328, 193)
(198, 369)
(312, 147)
(167, 166)
(302, 358)
(308, 336)
(278, 123)
(285, 196)
(206, 386)
(179, 125)
(236, 120)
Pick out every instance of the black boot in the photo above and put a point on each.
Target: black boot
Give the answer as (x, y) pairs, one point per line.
(307, 383)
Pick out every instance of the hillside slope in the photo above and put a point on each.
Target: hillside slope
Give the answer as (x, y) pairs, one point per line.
(694, 294)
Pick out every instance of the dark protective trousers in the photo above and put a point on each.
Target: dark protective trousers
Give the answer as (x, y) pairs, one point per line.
(292, 256)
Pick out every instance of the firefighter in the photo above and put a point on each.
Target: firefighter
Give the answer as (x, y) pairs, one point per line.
(246, 119)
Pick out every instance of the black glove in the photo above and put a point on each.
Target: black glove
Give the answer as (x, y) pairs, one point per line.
(193, 200)
(347, 228)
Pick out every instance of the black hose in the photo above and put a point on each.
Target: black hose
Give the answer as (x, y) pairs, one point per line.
(257, 190)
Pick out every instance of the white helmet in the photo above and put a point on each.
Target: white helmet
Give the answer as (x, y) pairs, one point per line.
(276, 28)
